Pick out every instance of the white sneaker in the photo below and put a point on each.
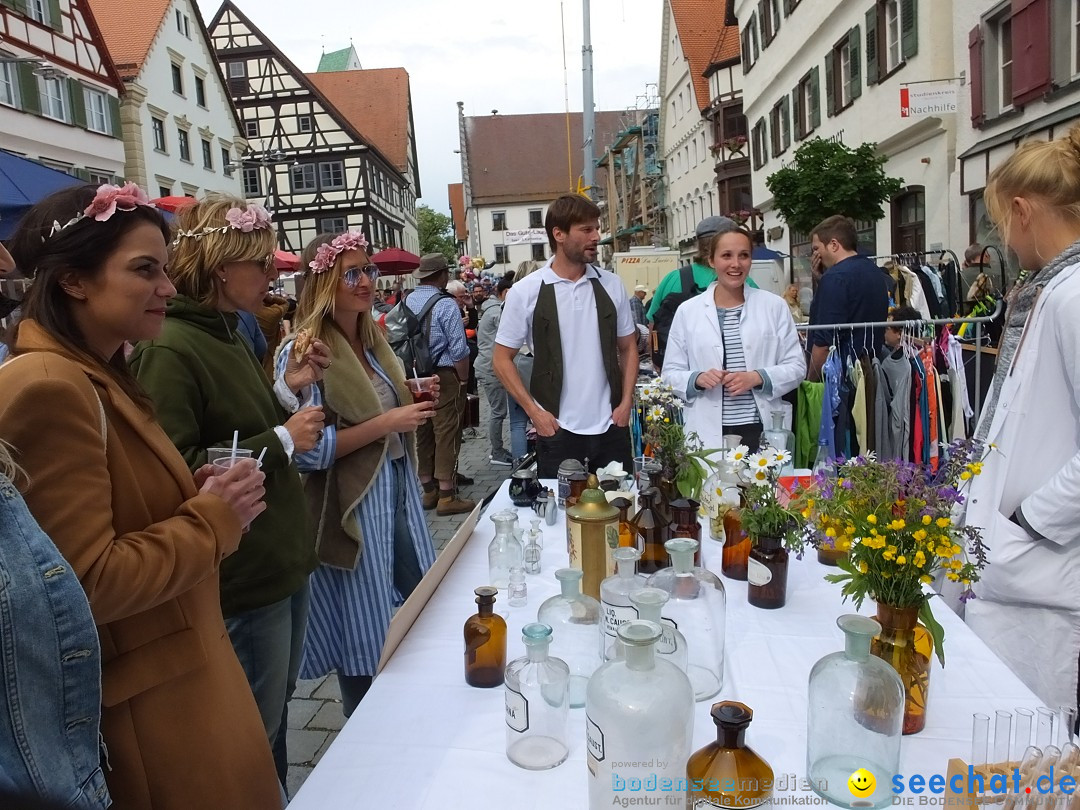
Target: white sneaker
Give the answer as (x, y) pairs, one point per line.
(501, 460)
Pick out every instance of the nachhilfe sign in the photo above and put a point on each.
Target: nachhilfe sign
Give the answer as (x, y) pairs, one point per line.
(938, 99)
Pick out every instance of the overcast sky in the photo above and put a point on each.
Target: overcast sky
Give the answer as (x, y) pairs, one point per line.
(505, 55)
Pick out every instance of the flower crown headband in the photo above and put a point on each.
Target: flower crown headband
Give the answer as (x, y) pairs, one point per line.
(107, 201)
(252, 217)
(326, 254)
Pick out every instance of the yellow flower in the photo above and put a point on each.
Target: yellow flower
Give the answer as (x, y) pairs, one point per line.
(965, 581)
(919, 559)
(667, 419)
(955, 565)
(863, 567)
(901, 560)
(871, 519)
(952, 577)
(849, 529)
(844, 545)
(926, 579)
(810, 503)
(830, 532)
(920, 535)
(926, 520)
(965, 476)
(805, 512)
(943, 522)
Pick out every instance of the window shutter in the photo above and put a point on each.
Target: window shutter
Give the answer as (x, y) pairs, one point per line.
(788, 8)
(29, 92)
(83, 175)
(764, 29)
(745, 50)
(854, 41)
(975, 56)
(830, 84)
(871, 46)
(55, 20)
(796, 107)
(1031, 49)
(815, 99)
(78, 103)
(909, 28)
(114, 116)
(785, 123)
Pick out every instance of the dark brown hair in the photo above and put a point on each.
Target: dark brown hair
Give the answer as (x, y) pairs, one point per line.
(837, 227)
(724, 231)
(80, 249)
(566, 212)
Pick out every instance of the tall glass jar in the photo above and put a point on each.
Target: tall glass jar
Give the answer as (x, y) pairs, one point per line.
(907, 647)
(504, 550)
(854, 719)
(574, 619)
(728, 773)
(766, 575)
(780, 438)
(653, 531)
(615, 606)
(537, 703)
(639, 721)
(649, 603)
(697, 606)
(485, 642)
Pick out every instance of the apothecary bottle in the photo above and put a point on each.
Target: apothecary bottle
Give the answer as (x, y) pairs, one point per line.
(627, 537)
(592, 527)
(767, 574)
(728, 773)
(736, 552)
(574, 619)
(855, 718)
(697, 606)
(653, 531)
(504, 550)
(485, 642)
(615, 606)
(779, 438)
(649, 603)
(537, 703)
(639, 721)
(684, 522)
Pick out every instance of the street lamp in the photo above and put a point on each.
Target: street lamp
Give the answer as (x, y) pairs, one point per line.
(39, 66)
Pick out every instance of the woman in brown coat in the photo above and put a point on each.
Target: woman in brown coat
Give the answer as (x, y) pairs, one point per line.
(144, 536)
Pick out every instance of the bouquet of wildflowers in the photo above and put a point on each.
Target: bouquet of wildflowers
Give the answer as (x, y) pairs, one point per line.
(765, 514)
(895, 519)
(680, 454)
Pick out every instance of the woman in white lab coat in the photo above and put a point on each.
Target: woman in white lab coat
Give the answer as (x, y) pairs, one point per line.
(1027, 499)
(732, 352)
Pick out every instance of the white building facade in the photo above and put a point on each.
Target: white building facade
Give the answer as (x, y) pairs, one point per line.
(835, 71)
(509, 233)
(59, 90)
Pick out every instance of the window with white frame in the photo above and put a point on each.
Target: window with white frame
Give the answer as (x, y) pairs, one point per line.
(498, 220)
(200, 91)
(755, 44)
(38, 11)
(251, 129)
(237, 70)
(9, 93)
(98, 177)
(1005, 65)
(502, 254)
(54, 102)
(770, 20)
(184, 144)
(252, 182)
(893, 53)
(1074, 26)
(538, 253)
(536, 218)
(332, 175)
(158, 127)
(97, 116)
(207, 155)
(303, 178)
(333, 225)
(177, 79)
(303, 123)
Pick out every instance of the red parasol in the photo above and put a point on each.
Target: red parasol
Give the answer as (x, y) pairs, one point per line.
(173, 204)
(395, 261)
(283, 260)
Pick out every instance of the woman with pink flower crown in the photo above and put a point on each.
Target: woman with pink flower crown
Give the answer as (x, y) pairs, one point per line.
(206, 384)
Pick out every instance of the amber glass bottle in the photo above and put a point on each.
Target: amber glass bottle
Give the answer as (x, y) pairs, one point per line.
(767, 574)
(627, 537)
(736, 552)
(485, 642)
(727, 773)
(652, 531)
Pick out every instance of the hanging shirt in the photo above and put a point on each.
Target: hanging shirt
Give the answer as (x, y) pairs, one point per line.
(830, 376)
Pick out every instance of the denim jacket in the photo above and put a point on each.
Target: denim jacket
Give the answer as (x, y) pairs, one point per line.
(50, 669)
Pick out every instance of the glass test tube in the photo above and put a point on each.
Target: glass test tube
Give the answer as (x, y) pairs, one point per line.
(980, 737)
(1002, 737)
(1066, 725)
(1022, 734)
(1044, 727)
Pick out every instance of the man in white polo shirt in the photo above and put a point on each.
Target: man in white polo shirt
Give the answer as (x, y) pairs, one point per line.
(576, 319)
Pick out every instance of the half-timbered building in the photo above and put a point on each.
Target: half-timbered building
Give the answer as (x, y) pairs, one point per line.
(311, 160)
(59, 90)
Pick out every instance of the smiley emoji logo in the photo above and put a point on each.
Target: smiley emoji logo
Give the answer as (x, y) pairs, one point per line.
(861, 783)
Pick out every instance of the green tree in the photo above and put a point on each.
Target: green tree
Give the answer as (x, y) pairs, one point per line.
(829, 178)
(436, 233)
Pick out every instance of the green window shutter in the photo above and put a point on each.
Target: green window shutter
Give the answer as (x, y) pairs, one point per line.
(785, 123)
(78, 103)
(909, 28)
(871, 46)
(29, 93)
(855, 88)
(815, 99)
(18, 5)
(55, 20)
(83, 175)
(114, 116)
(796, 107)
(830, 84)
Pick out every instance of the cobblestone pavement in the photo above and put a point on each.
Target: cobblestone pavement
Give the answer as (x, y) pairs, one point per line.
(315, 716)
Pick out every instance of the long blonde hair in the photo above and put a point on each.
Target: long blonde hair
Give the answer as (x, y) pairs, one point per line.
(8, 468)
(1046, 171)
(193, 260)
(315, 307)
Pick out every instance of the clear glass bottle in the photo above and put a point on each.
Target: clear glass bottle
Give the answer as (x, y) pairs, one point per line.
(697, 606)
(726, 493)
(780, 438)
(519, 591)
(728, 773)
(649, 603)
(485, 642)
(574, 618)
(653, 531)
(684, 522)
(855, 717)
(640, 709)
(535, 532)
(615, 606)
(537, 704)
(823, 461)
(504, 550)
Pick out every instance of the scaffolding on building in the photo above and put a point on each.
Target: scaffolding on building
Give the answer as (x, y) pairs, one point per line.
(634, 199)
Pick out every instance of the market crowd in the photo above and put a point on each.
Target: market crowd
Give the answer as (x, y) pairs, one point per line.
(166, 574)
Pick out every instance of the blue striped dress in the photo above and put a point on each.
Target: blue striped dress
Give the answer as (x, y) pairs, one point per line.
(350, 610)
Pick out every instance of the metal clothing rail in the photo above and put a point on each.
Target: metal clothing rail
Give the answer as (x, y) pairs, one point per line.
(978, 321)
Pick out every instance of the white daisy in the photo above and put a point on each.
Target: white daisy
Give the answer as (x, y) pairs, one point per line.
(780, 457)
(759, 461)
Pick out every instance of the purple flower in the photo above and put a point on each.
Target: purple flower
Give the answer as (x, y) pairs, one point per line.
(967, 596)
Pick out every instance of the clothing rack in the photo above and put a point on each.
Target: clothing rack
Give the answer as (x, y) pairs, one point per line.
(977, 321)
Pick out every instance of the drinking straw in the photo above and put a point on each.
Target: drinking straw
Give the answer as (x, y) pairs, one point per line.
(235, 444)
(258, 461)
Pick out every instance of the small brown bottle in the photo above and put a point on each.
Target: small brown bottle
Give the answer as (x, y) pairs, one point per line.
(653, 531)
(485, 642)
(727, 773)
(627, 538)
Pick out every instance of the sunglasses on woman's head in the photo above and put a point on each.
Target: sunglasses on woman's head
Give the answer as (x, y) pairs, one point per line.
(354, 274)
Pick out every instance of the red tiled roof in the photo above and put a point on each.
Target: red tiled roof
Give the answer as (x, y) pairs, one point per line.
(129, 33)
(523, 158)
(376, 102)
(727, 46)
(701, 28)
(456, 192)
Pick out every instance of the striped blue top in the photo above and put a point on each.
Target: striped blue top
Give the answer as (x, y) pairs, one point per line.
(741, 409)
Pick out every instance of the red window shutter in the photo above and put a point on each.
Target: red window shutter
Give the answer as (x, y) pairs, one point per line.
(1030, 49)
(975, 54)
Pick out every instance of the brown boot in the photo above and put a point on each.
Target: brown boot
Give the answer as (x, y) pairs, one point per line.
(451, 504)
(430, 497)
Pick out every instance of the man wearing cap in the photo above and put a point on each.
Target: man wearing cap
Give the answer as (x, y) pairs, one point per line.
(637, 304)
(438, 439)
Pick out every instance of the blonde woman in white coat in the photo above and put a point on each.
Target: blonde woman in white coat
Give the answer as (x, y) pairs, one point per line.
(732, 352)
(1027, 499)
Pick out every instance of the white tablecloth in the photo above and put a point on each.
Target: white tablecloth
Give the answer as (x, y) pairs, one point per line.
(424, 739)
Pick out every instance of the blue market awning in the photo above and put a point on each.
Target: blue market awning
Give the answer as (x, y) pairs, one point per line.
(22, 183)
(763, 253)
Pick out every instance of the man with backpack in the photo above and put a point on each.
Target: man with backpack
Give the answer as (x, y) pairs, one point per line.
(438, 439)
